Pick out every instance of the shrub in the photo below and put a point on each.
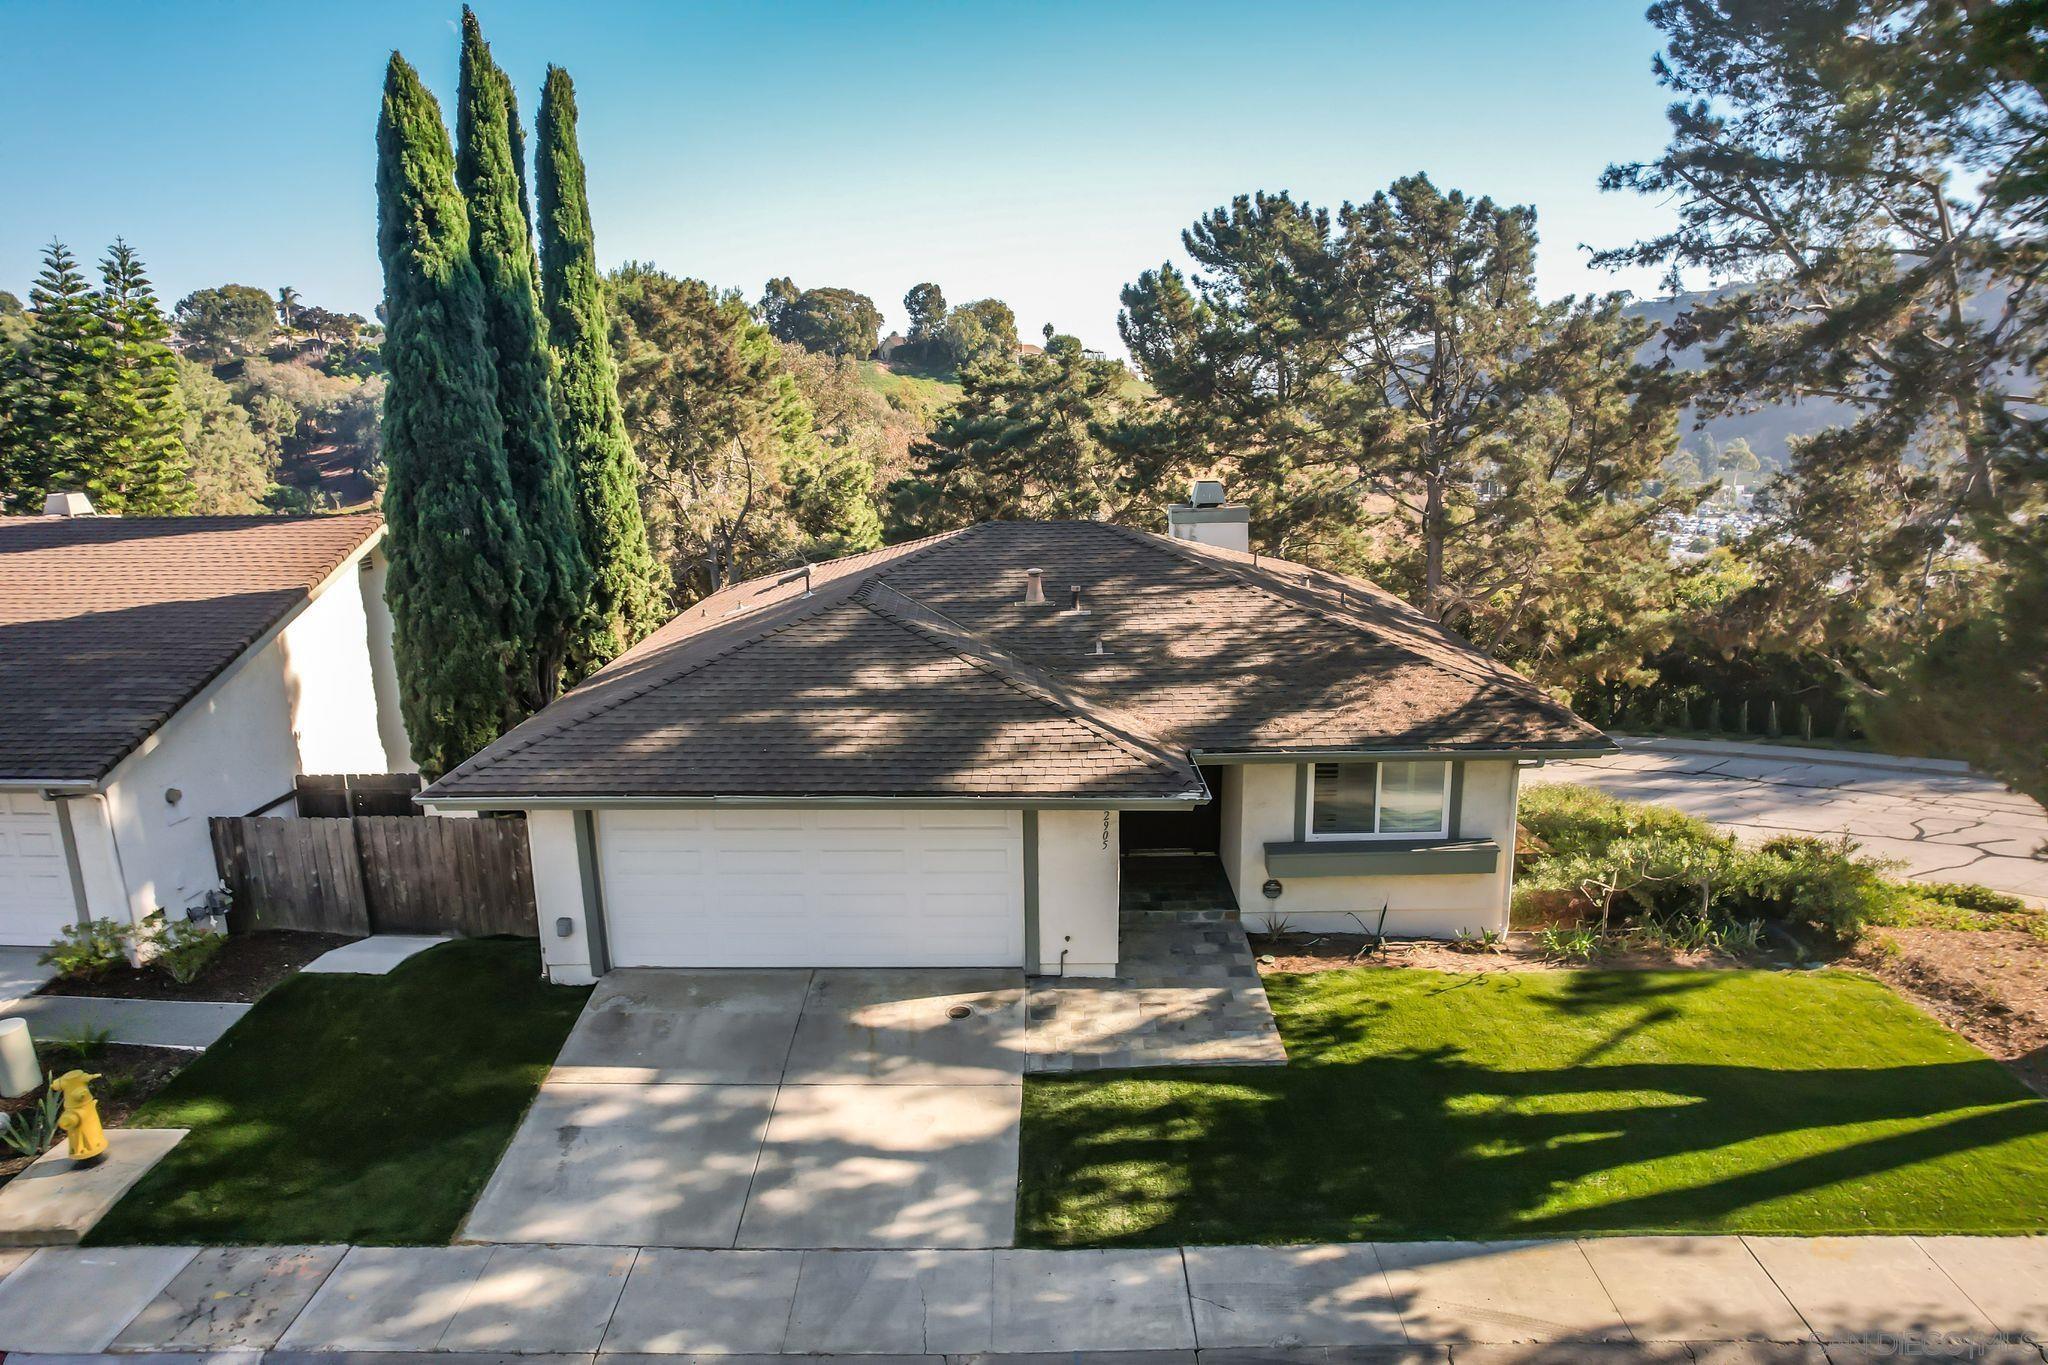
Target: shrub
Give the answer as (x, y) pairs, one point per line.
(83, 1041)
(84, 951)
(1572, 820)
(1820, 882)
(30, 1132)
(1969, 896)
(1573, 945)
(180, 949)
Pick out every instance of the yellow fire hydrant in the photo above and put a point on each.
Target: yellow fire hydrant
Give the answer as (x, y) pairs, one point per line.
(81, 1117)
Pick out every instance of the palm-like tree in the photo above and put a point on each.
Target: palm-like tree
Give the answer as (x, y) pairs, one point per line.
(287, 305)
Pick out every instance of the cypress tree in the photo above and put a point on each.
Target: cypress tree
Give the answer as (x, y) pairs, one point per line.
(501, 243)
(626, 597)
(458, 556)
(139, 465)
(47, 436)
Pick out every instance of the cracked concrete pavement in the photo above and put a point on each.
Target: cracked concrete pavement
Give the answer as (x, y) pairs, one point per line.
(1940, 825)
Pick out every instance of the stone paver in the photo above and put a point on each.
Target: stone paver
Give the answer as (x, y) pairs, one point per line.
(547, 1299)
(887, 1166)
(1291, 1296)
(1679, 1288)
(55, 1202)
(373, 956)
(893, 1302)
(1527, 1303)
(1499, 1291)
(627, 1165)
(67, 1300)
(231, 1298)
(645, 1025)
(191, 1024)
(1943, 826)
(1186, 992)
(715, 1302)
(1090, 1301)
(388, 1299)
(1851, 1288)
(895, 1028)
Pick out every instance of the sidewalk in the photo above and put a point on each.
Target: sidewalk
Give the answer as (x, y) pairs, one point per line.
(1752, 1299)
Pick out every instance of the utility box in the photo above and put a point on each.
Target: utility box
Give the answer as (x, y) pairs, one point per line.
(1207, 519)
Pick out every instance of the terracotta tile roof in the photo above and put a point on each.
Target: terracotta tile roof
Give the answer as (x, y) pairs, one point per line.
(109, 624)
(919, 671)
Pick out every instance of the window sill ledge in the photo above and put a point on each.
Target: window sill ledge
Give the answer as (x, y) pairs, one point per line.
(1383, 858)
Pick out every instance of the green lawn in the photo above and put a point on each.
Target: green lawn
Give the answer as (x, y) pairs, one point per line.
(354, 1108)
(1425, 1105)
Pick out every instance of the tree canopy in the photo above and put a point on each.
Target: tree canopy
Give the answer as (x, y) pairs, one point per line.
(835, 322)
(232, 320)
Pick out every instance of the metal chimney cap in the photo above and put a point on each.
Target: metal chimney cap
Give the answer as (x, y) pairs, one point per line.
(68, 505)
(1205, 493)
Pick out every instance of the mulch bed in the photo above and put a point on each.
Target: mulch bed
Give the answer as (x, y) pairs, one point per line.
(246, 967)
(1518, 952)
(1991, 986)
(129, 1076)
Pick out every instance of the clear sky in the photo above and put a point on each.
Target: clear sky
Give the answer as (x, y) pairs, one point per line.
(1044, 153)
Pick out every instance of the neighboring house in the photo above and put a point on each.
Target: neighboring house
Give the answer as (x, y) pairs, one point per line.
(912, 758)
(155, 671)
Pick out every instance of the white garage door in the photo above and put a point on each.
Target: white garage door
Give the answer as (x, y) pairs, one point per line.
(35, 885)
(813, 887)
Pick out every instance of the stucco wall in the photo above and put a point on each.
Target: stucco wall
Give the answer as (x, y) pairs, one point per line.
(558, 894)
(384, 664)
(1258, 808)
(305, 702)
(1077, 892)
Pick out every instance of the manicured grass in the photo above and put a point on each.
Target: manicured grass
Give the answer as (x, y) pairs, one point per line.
(354, 1108)
(1428, 1105)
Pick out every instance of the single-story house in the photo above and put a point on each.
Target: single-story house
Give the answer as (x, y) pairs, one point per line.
(936, 755)
(155, 671)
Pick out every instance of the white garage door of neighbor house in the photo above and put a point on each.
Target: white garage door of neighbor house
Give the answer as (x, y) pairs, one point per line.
(35, 884)
(813, 887)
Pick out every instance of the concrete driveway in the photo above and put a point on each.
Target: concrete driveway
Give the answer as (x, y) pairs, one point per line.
(1940, 822)
(774, 1109)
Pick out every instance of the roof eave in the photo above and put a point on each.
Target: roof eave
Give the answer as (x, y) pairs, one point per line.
(668, 801)
(1408, 751)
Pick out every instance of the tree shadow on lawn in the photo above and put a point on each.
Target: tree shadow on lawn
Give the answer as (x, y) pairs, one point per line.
(1425, 1144)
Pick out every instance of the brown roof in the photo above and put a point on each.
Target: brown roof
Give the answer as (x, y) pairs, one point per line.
(918, 671)
(109, 624)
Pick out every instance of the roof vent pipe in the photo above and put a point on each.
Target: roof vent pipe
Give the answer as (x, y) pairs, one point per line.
(1034, 587)
(1076, 590)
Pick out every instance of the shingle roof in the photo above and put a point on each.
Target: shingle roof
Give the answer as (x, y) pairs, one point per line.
(918, 671)
(109, 624)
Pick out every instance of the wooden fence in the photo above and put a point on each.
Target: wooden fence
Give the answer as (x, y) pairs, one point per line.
(377, 874)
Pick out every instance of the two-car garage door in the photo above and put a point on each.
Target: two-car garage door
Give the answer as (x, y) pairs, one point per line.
(813, 887)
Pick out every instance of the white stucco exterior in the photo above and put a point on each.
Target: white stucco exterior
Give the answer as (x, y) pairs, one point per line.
(558, 882)
(1258, 808)
(1078, 888)
(306, 698)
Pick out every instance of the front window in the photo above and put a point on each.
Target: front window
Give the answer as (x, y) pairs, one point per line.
(1379, 800)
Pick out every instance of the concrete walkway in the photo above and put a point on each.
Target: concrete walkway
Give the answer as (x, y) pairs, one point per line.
(1675, 1298)
(191, 1024)
(1942, 824)
(372, 956)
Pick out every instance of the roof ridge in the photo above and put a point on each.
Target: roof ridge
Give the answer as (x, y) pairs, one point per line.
(1016, 674)
(1249, 576)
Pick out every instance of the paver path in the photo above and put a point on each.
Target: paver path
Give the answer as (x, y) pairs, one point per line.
(1752, 1299)
(1943, 826)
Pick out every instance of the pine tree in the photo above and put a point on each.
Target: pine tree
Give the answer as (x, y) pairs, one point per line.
(458, 579)
(501, 244)
(626, 598)
(138, 464)
(48, 394)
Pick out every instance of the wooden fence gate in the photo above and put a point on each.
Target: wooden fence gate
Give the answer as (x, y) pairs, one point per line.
(377, 874)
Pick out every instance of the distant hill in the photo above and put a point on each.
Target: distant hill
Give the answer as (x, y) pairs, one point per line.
(1768, 429)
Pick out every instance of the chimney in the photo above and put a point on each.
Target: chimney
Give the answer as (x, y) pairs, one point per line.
(1034, 587)
(1207, 519)
(68, 505)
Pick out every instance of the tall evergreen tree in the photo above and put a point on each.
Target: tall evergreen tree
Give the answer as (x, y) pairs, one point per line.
(48, 394)
(458, 578)
(139, 463)
(493, 186)
(626, 592)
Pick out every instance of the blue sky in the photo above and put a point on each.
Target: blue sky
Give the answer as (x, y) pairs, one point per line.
(1042, 153)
